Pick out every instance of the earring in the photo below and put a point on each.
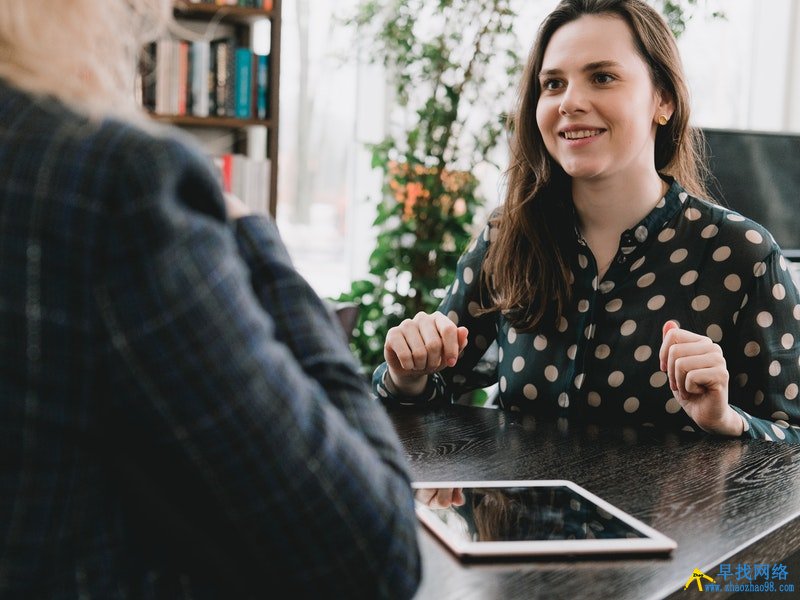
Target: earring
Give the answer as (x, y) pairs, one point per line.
(663, 120)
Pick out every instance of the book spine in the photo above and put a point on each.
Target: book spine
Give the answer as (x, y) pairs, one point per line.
(163, 57)
(227, 172)
(183, 78)
(244, 76)
(211, 78)
(224, 78)
(148, 77)
(200, 69)
(262, 86)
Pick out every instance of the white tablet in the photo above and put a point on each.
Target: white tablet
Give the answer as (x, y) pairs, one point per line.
(530, 518)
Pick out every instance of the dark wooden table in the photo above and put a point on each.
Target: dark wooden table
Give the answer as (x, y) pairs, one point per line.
(721, 500)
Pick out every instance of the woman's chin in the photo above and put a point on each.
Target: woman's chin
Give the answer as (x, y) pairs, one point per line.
(582, 171)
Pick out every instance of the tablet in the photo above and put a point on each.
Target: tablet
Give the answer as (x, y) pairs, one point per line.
(530, 518)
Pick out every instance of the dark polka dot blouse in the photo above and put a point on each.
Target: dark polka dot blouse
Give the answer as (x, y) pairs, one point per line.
(708, 268)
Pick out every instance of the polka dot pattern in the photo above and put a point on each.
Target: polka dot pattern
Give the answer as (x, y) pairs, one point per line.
(616, 378)
(602, 351)
(631, 405)
(732, 283)
(787, 341)
(764, 319)
(666, 234)
(714, 332)
(656, 302)
(715, 272)
(678, 255)
(658, 379)
(753, 236)
(709, 231)
(722, 253)
(646, 280)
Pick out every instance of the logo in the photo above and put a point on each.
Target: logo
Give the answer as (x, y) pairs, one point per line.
(698, 576)
(743, 577)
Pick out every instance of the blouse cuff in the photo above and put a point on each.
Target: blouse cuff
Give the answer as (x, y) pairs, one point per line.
(434, 389)
(748, 431)
(764, 429)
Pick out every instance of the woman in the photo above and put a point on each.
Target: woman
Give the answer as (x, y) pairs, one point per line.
(179, 415)
(614, 291)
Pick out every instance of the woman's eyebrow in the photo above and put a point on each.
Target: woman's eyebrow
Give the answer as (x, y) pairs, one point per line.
(588, 67)
(601, 64)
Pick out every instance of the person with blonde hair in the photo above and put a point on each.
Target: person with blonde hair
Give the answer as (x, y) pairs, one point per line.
(179, 414)
(612, 289)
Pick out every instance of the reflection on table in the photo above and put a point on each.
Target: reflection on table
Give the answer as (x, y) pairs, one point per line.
(723, 501)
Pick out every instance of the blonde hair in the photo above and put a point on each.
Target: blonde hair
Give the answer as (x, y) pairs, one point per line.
(83, 52)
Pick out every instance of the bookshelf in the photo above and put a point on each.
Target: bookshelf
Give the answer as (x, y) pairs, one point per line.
(242, 124)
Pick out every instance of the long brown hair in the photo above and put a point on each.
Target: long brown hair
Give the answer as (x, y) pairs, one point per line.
(526, 271)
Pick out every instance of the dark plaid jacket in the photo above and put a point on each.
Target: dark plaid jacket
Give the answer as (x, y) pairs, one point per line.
(179, 416)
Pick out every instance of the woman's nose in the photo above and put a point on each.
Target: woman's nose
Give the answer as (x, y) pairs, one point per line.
(573, 100)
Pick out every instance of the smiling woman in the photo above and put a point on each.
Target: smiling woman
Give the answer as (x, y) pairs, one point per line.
(609, 253)
(597, 120)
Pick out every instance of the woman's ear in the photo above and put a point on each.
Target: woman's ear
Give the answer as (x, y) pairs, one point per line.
(665, 106)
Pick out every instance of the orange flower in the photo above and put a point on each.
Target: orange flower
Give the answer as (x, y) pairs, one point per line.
(411, 192)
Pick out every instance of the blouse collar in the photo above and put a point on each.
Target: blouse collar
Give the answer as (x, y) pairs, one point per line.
(666, 208)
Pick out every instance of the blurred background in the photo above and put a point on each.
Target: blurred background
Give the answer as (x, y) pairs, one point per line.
(743, 67)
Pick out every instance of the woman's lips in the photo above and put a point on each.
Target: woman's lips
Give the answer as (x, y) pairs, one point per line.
(579, 134)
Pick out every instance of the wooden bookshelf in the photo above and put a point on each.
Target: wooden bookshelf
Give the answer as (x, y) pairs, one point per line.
(241, 19)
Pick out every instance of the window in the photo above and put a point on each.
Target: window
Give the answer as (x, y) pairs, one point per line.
(744, 72)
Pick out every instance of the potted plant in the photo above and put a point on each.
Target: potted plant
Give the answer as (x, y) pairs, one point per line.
(440, 56)
(453, 66)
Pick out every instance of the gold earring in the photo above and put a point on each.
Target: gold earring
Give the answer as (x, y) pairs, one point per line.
(663, 120)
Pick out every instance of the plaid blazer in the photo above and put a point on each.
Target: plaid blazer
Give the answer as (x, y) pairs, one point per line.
(179, 415)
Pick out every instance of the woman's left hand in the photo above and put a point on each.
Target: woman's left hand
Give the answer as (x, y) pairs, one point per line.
(698, 376)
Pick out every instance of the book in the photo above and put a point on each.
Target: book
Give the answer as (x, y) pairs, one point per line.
(182, 95)
(163, 55)
(226, 172)
(224, 77)
(211, 79)
(147, 77)
(262, 86)
(200, 59)
(243, 81)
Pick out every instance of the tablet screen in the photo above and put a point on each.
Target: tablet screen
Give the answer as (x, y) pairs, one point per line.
(530, 517)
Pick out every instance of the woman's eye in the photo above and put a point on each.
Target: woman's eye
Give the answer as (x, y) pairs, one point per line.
(603, 78)
(551, 84)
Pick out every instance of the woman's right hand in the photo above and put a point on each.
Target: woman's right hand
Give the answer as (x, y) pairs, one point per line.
(421, 346)
(440, 497)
